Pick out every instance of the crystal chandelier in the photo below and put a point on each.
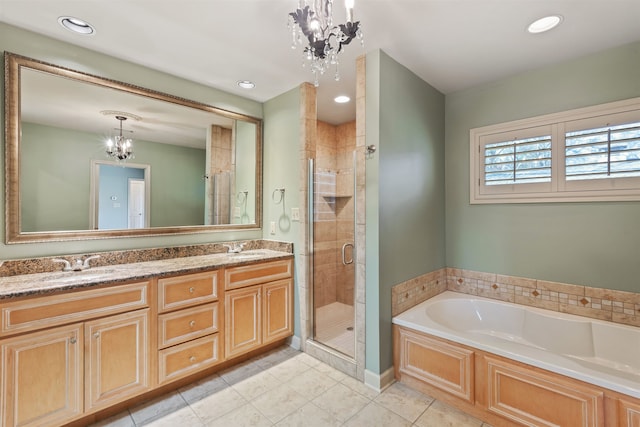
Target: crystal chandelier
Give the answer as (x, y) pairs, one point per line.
(120, 147)
(325, 40)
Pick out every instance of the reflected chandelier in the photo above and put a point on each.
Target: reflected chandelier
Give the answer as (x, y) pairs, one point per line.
(314, 21)
(120, 147)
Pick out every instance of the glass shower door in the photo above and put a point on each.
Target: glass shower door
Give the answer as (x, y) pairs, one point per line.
(332, 232)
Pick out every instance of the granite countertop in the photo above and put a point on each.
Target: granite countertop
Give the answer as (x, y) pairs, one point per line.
(44, 283)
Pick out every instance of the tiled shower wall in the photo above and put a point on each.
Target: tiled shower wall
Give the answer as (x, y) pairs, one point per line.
(334, 213)
(219, 178)
(598, 303)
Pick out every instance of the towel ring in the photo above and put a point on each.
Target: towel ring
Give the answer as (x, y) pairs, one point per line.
(277, 200)
(241, 197)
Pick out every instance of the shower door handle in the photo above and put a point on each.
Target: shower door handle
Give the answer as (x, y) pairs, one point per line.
(344, 254)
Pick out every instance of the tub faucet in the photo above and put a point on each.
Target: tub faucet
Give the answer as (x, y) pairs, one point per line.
(235, 247)
(78, 265)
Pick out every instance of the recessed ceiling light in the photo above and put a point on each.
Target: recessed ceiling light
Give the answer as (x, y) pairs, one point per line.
(544, 24)
(342, 99)
(246, 84)
(76, 25)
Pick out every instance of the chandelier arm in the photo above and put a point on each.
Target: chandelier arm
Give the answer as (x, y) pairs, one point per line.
(325, 40)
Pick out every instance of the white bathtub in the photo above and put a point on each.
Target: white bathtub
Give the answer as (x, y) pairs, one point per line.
(597, 352)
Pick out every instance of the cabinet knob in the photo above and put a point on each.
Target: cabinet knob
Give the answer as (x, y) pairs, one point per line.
(192, 359)
(192, 323)
(192, 290)
(96, 335)
(73, 340)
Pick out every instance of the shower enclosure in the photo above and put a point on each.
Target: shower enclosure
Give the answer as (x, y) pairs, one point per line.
(332, 231)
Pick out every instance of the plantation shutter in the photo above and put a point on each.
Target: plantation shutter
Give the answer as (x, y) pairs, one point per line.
(603, 152)
(518, 161)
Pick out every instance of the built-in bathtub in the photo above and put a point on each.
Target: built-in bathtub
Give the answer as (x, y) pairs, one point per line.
(597, 352)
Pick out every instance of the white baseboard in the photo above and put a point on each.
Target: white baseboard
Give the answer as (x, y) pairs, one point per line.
(379, 382)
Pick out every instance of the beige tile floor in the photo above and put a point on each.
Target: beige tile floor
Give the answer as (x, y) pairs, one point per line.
(288, 388)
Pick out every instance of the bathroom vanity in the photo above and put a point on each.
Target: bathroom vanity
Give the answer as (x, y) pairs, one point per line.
(73, 345)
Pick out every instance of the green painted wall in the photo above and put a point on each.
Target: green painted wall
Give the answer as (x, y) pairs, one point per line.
(593, 244)
(372, 214)
(282, 159)
(59, 168)
(405, 192)
(36, 46)
(176, 182)
(56, 177)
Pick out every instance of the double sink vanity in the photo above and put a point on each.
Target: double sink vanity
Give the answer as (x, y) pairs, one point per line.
(78, 345)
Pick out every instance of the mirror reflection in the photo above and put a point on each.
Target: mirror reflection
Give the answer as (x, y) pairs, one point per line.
(96, 156)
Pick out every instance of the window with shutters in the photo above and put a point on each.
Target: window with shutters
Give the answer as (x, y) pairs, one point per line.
(579, 155)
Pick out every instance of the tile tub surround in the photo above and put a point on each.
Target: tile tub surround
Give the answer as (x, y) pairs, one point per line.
(44, 264)
(408, 294)
(596, 303)
(44, 283)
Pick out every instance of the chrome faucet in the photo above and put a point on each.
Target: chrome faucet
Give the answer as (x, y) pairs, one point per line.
(78, 265)
(235, 247)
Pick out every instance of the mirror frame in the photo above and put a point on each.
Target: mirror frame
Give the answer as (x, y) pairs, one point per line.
(13, 233)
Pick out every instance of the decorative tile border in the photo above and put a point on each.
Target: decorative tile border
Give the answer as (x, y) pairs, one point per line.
(45, 265)
(412, 292)
(596, 303)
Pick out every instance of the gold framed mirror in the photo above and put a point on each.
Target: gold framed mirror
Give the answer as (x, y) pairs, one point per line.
(193, 167)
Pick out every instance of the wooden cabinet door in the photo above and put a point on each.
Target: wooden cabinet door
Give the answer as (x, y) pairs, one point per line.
(529, 397)
(438, 363)
(117, 358)
(42, 377)
(242, 320)
(278, 310)
(629, 413)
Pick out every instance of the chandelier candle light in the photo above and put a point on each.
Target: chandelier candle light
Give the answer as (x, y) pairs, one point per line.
(314, 21)
(121, 148)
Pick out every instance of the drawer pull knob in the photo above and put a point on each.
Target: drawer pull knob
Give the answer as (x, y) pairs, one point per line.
(73, 340)
(96, 335)
(192, 323)
(192, 359)
(192, 290)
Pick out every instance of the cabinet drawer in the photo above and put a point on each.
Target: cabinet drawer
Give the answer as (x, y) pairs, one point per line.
(183, 325)
(187, 290)
(184, 359)
(246, 275)
(47, 311)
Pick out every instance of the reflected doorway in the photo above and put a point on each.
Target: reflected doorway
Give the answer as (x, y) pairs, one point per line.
(135, 208)
(119, 195)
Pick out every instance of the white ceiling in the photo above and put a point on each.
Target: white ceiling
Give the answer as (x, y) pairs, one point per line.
(451, 44)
